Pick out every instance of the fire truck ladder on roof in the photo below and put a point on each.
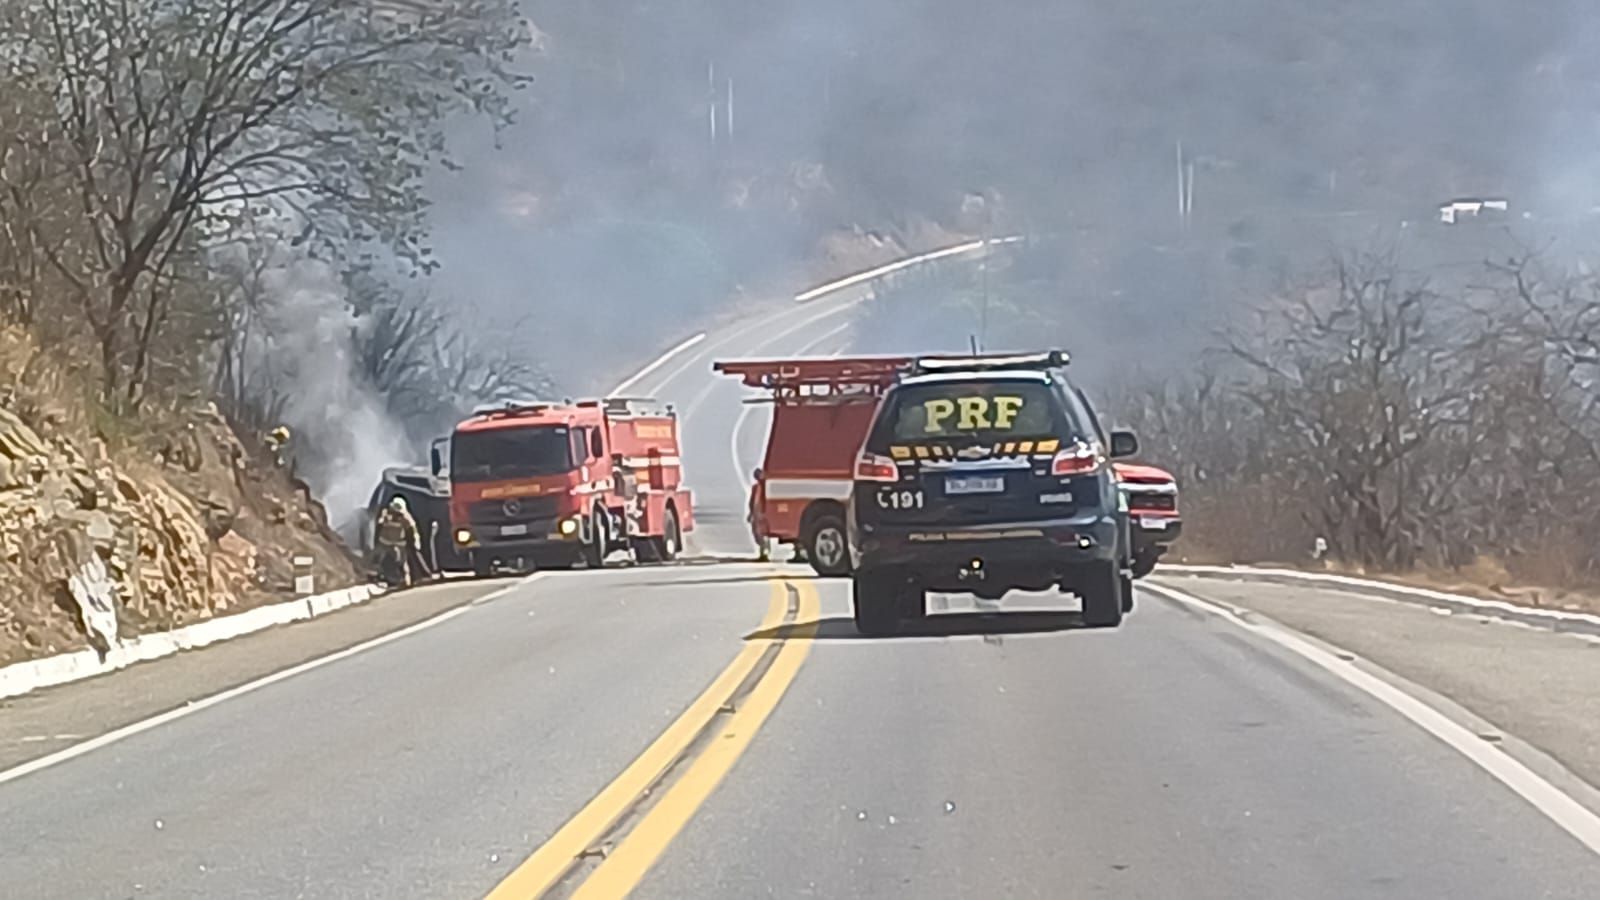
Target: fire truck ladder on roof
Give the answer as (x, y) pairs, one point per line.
(512, 407)
(622, 407)
(817, 380)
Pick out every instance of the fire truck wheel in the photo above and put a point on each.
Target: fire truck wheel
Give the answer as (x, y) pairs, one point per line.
(598, 546)
(482, 565)
(826, 546)
(671, 540)
(645, 550)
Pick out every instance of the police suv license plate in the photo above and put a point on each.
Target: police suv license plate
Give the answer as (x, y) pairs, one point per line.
(974, 484)
(513, 530)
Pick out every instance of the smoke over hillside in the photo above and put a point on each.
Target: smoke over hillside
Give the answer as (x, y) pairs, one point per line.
(669, 153)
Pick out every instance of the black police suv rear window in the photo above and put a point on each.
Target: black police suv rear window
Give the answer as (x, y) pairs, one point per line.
(986, 410)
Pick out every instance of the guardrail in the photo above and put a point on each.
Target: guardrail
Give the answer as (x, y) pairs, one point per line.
(31, 675)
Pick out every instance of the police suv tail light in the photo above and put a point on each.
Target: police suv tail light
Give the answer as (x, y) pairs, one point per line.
(1077, 459)
(872, 467)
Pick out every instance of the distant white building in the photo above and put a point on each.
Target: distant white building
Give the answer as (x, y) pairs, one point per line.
(1451, 212)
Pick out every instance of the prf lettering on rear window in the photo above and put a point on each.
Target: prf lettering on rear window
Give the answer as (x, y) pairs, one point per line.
(971, 413)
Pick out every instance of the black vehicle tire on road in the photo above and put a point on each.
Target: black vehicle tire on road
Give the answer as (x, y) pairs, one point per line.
(670, 544)
(598, 544)
(877, 599)
(482, 565)
(911, 603)
(1144, 562)
(1127, 592)
(827, 548)
(647, 550)
(1100, 589)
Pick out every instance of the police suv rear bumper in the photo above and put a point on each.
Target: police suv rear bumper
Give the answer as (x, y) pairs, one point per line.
(1029, 555)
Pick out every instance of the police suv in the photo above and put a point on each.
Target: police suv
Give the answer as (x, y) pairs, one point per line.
(986, 474)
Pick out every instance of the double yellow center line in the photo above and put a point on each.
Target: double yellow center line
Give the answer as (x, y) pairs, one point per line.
(687, 761)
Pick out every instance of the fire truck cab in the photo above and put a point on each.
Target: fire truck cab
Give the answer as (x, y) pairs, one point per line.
(549, 485)
(821, 410)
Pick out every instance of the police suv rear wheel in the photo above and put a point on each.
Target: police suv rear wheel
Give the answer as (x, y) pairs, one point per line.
(883, 600)
(1100, 589)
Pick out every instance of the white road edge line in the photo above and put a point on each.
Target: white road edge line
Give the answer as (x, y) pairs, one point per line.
(1373, 584)
(811, 294)
(897, 265)
(1573, 817)
(194, 706)
(658, 363)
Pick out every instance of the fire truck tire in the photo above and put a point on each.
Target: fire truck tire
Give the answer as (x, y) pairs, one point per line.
(646, 550)
(826, 546)
(1144, 562)
(482, 565)
(671, 540)
(598, 546)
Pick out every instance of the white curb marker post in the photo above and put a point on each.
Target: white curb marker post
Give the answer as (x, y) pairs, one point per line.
(304, 580)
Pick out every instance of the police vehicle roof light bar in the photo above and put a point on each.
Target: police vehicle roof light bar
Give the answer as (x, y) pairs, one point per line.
(1048, 359)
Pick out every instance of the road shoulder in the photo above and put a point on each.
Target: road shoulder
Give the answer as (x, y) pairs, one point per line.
(43, 722)
(1532, 684)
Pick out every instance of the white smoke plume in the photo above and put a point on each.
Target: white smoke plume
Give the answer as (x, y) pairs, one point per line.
(302, 357)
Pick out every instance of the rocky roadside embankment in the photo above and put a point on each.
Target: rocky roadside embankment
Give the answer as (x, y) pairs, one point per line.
(110, 529)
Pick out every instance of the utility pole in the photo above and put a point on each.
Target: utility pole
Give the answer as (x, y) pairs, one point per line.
(729, 129)
(1182, 188)
(711, 99)
(1185, 188)
(983, 310)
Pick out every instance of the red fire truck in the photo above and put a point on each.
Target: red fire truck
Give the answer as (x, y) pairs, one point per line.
(821, 411)
(549, 485)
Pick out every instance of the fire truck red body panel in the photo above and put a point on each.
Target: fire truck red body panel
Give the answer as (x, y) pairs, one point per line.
(624, 456)
(822, 409)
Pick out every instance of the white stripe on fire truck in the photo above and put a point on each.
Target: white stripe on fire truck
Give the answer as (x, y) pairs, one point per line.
(643, 462)
(808, 488)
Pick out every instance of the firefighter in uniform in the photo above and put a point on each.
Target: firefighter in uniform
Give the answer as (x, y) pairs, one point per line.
(397, 532)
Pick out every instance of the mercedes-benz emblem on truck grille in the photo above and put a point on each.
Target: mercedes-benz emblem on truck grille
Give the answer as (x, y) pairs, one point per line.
(512, 507)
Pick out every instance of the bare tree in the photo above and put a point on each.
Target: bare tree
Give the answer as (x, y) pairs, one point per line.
(1406, 425)
(429, 369)
(174, 118)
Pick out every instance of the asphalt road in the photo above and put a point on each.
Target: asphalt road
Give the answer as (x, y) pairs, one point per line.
(996, 753)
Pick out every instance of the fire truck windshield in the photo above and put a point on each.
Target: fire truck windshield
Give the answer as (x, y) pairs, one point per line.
(510, 453)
